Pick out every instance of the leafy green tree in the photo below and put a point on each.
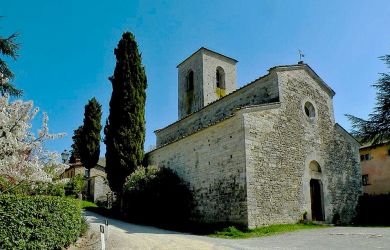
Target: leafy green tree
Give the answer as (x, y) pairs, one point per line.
(377, 128)
(74, 186)
(125, 127)
(88, 146)
(8, 48)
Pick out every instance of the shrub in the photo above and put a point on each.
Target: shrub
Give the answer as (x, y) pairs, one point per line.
(52, 189)
(38, 222)
(74, 186)
(157, 196)
(28, 188)
(373, 210)
(84, 226)
(7, 185)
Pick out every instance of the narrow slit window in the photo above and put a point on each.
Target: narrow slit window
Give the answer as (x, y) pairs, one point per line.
(190, 81)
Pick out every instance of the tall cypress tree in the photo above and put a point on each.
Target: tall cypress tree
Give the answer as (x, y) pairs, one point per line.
(125, 127)
(76, 144)
(89, 148)
(376, 129)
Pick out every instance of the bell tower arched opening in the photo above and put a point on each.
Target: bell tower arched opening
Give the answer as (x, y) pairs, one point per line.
(220, 82)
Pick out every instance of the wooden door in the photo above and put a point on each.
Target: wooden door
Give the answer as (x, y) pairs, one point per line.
(316, 200)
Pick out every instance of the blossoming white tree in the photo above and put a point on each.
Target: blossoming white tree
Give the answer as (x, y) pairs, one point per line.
(23, 157)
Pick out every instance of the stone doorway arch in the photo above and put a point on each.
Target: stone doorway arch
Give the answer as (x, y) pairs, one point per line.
(316, 196)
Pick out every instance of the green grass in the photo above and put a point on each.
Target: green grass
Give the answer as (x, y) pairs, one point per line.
(85, 204)
(234, 233)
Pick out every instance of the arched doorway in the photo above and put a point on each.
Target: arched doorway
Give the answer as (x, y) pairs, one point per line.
(317, 210)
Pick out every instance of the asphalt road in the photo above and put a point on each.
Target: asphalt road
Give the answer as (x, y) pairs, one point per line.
(124, 235)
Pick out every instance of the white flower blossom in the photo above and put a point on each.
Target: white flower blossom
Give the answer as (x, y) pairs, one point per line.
(22, 154)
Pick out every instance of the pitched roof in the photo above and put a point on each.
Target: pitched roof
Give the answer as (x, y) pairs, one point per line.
(280, 68)
(326, 87)
(370, 145)
(264, 105)
(208, 50)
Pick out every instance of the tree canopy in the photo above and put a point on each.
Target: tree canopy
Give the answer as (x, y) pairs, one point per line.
(8, 48)
(125, 126)
(23, 157)
(376, 129)
(89, 150)
(86, 138)
(75, 145)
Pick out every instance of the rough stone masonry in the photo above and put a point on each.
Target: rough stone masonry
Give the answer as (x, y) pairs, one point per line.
(269, 152)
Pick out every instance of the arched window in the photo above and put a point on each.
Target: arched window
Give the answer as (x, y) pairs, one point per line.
(220, 78)
(310, 110)
(315, 167)
(190, 81)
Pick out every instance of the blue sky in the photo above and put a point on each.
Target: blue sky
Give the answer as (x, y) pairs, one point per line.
(66, 53)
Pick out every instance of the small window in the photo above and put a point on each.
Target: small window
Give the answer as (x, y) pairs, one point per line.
(309, 110)
(361, 157)
(365, 179)
(86, 173)
(367, 157)
(190, 81)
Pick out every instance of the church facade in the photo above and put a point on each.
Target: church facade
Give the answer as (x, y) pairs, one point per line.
(269, 152)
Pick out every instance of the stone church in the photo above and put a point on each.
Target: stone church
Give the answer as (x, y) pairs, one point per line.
(268, 152)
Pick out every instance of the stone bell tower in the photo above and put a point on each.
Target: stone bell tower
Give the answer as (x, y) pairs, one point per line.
(203, 78)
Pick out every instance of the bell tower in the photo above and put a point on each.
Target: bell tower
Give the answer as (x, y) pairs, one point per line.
(203, 78)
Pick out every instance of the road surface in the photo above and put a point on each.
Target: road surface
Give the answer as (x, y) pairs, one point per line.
(123, 235)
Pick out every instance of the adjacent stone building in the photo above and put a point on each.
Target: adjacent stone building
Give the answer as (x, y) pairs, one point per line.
(266, 153)
(96, 179)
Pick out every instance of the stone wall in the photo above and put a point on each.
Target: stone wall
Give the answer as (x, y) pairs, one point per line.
(98, 184)
(195, 64)
(281, 144)
(210, 64)
(344, 179)
(203, 63)
(263, 90)
(254, 165)
(99, 188)
(212, 162)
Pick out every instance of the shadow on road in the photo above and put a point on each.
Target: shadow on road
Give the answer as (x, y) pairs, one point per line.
(126, 226)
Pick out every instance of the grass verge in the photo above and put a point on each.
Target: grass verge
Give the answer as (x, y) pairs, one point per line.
(234, 233)
(86, 204)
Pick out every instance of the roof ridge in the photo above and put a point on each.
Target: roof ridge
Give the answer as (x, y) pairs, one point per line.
(209, 50)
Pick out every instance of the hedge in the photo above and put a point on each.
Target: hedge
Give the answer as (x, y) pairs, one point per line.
(39, 222)
(157, 196)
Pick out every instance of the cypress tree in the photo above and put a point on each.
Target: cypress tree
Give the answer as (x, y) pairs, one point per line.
(125, 126)
(89, 147)
(76, 144)
(376, 129)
